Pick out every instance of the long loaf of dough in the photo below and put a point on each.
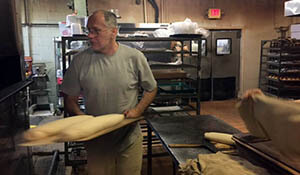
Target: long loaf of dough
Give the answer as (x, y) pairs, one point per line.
(89, 127)
(52, 128)
(219, 137)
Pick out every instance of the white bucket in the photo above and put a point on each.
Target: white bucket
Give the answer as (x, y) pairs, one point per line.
(76, 29)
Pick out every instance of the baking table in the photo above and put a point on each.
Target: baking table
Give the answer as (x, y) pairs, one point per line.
(184, 130)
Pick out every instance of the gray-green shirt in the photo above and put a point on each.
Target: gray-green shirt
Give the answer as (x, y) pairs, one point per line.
(109, 84)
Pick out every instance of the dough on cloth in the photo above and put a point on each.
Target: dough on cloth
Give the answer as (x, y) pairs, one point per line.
(82, 130)
(90, 127)
(53, 128)
(107, 130)
(276, 119)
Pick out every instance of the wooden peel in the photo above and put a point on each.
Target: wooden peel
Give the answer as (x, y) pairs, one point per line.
(183, 145)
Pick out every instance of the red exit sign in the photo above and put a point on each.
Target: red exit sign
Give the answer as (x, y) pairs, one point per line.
(214, 13)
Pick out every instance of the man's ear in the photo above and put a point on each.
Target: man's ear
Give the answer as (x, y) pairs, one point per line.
(115, 31)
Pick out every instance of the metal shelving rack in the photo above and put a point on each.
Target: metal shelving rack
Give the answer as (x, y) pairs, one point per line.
(66, 57)
(182, 93)
(280, 68)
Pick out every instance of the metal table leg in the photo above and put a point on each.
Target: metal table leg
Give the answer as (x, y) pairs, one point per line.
(174, 168)
(149, 150)
(54, 163)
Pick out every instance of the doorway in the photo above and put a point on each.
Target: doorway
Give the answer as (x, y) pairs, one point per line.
(220, 65)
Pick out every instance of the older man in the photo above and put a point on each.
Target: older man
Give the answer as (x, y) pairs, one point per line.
(109, 74)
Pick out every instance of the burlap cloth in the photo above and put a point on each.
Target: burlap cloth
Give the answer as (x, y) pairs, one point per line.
(220, 164)
(276, 119)
(266, 117)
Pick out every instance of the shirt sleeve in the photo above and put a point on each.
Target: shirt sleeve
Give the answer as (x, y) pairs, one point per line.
(71, 83)
(146, 77)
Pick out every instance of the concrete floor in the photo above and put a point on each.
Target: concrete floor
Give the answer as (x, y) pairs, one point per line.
(224, 110)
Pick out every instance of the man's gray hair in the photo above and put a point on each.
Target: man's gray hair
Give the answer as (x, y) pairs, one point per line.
(109, 17)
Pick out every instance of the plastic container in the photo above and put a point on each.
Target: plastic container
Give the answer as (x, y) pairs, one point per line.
(63, 29)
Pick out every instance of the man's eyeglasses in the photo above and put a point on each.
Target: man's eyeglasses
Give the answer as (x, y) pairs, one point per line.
(95, 31)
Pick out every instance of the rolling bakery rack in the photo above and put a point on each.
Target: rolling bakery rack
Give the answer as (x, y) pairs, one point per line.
(280, 68)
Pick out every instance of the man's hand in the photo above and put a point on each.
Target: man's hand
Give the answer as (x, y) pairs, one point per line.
(141, 106)
(71, 105)
(132, 113)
